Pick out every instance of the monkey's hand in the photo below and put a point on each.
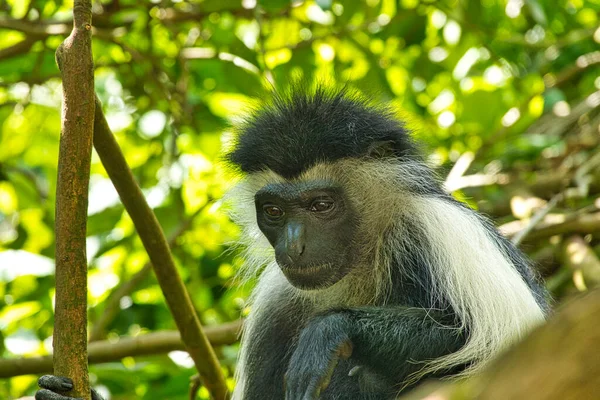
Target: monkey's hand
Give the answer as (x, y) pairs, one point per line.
(321, 345)
(52, 387)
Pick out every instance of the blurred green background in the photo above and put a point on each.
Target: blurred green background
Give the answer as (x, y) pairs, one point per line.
(505, 94)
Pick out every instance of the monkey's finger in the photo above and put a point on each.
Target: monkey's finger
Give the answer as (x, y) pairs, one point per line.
(309, 396)
(45, 394)
(302, 389)
(325, 380)
(312, 391)
(291, 388)
(344, 351)
(55, 383)
(319, 383)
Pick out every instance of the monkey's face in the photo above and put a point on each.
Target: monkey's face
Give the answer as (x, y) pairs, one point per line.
(311, 226)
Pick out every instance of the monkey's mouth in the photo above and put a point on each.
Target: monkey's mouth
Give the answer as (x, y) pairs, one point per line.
(312, 277)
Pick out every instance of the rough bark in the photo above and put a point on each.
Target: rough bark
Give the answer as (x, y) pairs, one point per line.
(74, 58)
(559, 360)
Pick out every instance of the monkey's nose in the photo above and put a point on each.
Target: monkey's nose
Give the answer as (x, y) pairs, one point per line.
(294, 251)
(294, 244)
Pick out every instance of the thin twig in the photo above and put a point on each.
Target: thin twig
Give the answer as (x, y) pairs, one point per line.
(195, 385)
(536, 219)
(458, 170)
(582, 190)
(113, 302)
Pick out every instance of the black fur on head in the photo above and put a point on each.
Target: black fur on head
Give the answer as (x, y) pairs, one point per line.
(295, 131)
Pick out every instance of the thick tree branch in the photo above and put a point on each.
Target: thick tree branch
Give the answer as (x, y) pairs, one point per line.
(74, 58)
(108, 351)
(156, 245)
(557, 361)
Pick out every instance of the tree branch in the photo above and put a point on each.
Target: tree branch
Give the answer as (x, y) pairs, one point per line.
(557, 361)
(585, 223)
(108, 351)
(581, 259)
(112, 303)
(74, 58)
(18, 48)
(156, 245)
(536, 219)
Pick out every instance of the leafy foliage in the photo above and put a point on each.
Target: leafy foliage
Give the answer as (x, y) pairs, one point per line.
(512, 84)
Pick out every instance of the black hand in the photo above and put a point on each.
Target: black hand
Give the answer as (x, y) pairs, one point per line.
(322, 343)
(55, 383)
(52, 387)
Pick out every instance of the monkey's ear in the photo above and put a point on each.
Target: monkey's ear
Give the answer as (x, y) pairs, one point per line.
(381, 149)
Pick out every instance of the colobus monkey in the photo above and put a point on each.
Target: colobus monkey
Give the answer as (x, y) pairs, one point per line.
(370, 276)
(374, 277)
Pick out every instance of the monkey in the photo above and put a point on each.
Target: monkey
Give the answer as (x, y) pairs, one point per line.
(370, 277)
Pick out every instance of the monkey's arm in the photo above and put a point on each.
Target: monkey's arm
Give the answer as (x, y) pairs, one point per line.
(52, 387)
(392, 341)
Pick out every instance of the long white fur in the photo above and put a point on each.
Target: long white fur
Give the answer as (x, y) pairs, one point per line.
(469, 270)
(483, 287)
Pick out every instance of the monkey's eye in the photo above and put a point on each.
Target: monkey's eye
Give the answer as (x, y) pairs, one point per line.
(322, 205)
(273, 211)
